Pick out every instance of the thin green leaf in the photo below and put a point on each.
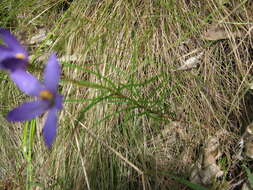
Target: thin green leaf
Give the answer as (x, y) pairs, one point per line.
(189, 184)
(250, 176)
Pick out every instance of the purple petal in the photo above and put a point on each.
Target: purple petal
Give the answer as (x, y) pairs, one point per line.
(9, 61)
(49, 130)
(5, 52)
(28, 110)
(52, 73)
(12, 42)
(58, 101)
(12, 64)
(26, 82)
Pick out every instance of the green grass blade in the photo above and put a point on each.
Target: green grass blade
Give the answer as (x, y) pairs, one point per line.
(249, 175)
(189, 184)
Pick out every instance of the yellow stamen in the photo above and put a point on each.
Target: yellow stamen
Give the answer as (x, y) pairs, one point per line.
(46, 95)
(20, 56)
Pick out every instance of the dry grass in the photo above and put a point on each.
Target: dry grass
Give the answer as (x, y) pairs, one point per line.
(135, 139)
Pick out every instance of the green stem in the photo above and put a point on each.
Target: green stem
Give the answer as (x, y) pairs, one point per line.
(28, 138)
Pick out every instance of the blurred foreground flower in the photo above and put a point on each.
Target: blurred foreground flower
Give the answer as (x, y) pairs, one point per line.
(48, 98)
(14, 58)
(12, 55)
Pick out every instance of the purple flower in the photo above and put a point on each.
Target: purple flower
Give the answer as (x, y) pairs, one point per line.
(48, 100)
(12, 55)
(14, 58)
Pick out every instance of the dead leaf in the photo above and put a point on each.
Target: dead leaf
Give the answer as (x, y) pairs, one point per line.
(250, 129)
(211, 152)
(39, 37)
(249, 149)
(245, 186)
(216, 32)
(195, 174)
(208, 170)
(209, 173)
(69, 58)
(190, 63)
(247, 141)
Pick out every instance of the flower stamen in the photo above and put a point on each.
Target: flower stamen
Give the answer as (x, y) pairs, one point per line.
(20, 56)
(46, 95)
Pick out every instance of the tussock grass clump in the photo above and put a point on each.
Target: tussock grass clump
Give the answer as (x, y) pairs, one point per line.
(130, 119)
